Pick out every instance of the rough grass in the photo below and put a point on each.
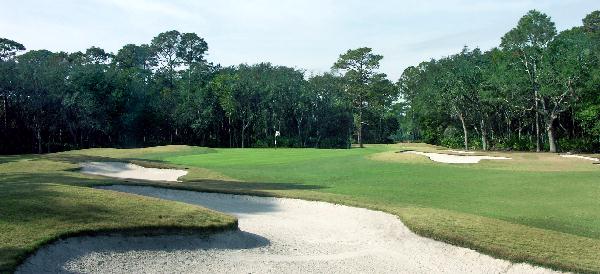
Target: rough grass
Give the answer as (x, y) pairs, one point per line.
(42, 200)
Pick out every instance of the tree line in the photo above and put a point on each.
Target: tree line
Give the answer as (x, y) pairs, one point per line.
(538, 90)
(166, 92)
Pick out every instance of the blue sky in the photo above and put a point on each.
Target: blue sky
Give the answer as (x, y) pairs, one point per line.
(308, 34)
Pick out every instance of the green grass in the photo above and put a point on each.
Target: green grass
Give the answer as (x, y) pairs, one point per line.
(562, 201)
(533, 208)
(42, 200)
(536, 208)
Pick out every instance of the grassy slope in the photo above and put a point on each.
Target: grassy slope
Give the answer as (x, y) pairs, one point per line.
(537, 208)
(42, 199)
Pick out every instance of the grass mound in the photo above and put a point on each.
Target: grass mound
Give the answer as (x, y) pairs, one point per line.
(42, 200)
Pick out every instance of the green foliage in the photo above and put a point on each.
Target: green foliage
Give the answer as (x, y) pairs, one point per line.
(366, 89)
(167, 93)
(579, 144)
(514, 143)
(538, 84)
(591, 23)
(9, 48)
(533, 32)
(452, 138)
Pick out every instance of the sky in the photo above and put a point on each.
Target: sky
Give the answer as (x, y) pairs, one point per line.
(306, 34)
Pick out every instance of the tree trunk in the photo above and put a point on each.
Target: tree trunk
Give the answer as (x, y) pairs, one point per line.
(350, 139)
(299, 135)
(465, 132)
(48, 143)
(5, 109)
(537, 123)
(360, 141)
(243, 131)
(380, 131)
(551, 136)
(38, 135)
(484, 142)
(299, 122)
(508, 128)
(229, 131)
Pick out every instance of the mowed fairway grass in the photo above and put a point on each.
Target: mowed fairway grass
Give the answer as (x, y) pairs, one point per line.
(537, 208)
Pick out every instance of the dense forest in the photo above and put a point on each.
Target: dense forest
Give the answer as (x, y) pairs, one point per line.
(539, 90)
(166, 92)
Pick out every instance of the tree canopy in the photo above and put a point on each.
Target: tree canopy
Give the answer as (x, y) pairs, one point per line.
(538, 90)
(166, 92)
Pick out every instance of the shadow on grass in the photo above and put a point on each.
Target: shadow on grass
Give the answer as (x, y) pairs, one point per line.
(226, 203)
(222, 186)
(33, 197)
(21, 180)
(208, 185)
(7, 260)
(14, 158)
(72, 177)
(78, 158)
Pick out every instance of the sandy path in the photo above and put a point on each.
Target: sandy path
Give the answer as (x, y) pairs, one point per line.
(455, 159)
(276, 236)
(131, 171)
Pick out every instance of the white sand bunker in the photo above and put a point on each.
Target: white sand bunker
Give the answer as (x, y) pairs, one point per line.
(131, 171)
(580, 157)
(456, 159)
(276, 236)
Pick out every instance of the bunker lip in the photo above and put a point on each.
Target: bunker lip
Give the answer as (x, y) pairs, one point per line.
(131, 171)
(460, 151)
(580, 157)
(455, 159)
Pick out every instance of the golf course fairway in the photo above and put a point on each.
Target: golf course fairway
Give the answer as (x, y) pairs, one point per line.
(538, 208)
